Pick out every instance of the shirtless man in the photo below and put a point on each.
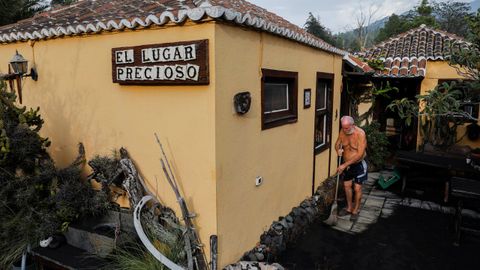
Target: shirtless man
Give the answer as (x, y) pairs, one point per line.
(351, 145)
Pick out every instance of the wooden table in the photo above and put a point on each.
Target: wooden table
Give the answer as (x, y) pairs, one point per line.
(443, 167)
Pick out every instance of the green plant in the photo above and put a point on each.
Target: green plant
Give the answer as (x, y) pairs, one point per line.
(368, 95)
(406, 108)
(376, 64)
(467, 59)
(133, 257)
(36, 199)
(438, 111)
(167, 238)
(377, 144)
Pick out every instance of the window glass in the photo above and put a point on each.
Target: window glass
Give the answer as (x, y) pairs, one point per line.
(323, 114)
(321, 103)
(320, 131)
(471, 109)
(279, 98)
(276, 97)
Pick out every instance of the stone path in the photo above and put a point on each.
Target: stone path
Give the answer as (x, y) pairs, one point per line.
(377, 202)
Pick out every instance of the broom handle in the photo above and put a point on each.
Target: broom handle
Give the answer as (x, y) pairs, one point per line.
(338, 175)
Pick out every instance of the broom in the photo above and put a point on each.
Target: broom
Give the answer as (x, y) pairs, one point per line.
(332, 219)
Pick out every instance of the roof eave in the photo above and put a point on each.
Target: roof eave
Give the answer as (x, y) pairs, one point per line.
(196, 15)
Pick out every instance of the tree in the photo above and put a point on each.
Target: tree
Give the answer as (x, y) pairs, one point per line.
(37, 200)
(314, 27)
(363, 21)
(12, 11)
(467, 61)
(451, 16)
(424, 15)
(394, 26)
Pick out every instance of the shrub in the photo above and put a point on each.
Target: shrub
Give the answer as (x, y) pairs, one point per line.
(377, 144)
(36, 199)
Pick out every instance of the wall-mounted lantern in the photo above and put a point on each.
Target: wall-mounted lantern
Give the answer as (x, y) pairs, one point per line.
(18, 69)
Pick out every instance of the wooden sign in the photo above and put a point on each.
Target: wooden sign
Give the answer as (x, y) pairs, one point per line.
(180, 63)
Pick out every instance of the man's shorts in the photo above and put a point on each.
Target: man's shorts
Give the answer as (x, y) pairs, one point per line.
(356, 172)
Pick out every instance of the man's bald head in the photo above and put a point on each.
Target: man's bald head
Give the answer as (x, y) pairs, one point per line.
(348, 124)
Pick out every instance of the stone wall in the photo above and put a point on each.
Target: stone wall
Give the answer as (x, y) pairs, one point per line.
(287, 229)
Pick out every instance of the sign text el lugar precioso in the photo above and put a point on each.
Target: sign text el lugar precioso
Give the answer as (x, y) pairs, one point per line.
(180, 63)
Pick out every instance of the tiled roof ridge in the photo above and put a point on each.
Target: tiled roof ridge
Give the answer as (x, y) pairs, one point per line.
(406, 54)
(421, 27)
(213, 9)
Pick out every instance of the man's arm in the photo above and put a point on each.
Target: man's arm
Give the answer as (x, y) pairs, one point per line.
(362, 147)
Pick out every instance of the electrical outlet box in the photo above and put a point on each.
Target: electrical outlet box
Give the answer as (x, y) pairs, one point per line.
(258, 181)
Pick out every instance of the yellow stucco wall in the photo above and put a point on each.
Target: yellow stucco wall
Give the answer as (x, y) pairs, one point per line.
(441, 70)
(283, 155)
(217, 154)
(79, 103)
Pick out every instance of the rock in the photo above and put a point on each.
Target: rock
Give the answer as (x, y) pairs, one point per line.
(252, 257)
(283, 222)
(277, 266)
(260, 256)
(247, 265)
(289, 218)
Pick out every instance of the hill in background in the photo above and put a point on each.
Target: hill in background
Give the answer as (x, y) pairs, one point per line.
(346, 39)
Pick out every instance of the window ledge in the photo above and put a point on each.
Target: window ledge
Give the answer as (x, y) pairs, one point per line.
(321, 149)
(290, 119)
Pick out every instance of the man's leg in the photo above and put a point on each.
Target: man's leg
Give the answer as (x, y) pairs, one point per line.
(348, 193)
(358, 197)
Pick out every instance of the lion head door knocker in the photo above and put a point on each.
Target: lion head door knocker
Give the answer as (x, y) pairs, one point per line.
(242, 102)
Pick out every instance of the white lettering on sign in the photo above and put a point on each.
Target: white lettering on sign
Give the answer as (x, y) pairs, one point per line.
(124, 57)
(177, 63)
(169, 54)
(176, 72)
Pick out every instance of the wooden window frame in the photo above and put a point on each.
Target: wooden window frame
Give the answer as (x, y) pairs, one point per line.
(276, 119)
(328, 111)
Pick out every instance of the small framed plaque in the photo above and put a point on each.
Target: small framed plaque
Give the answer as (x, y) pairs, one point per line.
(307, 98)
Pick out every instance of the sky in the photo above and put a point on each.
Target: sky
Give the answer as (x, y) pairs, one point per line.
(337, 15)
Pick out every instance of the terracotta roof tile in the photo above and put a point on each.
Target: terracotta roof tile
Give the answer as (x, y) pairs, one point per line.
(414, 48)
(412, 71)
(94, 16)
(358, 64)
(422, 63)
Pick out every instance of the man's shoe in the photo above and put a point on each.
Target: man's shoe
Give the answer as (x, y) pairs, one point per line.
(354, 217)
